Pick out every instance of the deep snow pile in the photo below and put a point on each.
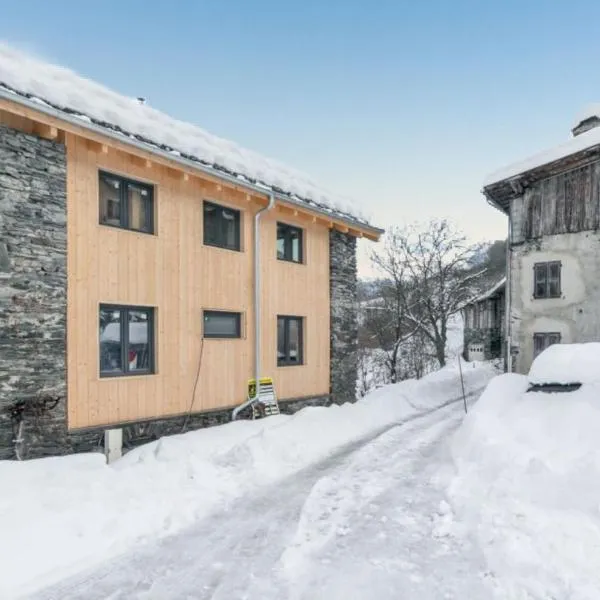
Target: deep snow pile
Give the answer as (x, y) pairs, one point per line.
(528, 482)
(567, 363)
(60, 515)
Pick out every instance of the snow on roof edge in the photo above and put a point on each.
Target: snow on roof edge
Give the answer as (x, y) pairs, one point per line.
(490, 292)
(584, 141)
(54, 87)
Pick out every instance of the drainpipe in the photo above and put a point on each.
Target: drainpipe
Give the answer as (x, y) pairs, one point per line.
(257, 307)
(507, 302)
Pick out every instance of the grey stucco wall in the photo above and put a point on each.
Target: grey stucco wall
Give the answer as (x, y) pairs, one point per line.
(344, 316)
(33, 284)
(576, 313)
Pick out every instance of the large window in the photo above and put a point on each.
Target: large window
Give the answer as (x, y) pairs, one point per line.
(221, 226)
(546, 279)
(221, 324)
(126, 340)
(289, 243)
(125, 203)
(290, 343)
(542, 340)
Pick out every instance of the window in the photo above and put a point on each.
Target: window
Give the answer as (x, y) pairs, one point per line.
(289, 243)
(541, 341)
(126, 204)
(476, 317)
(546, 280)
(126, 340)
(221, 324)
(289, 341)
(221, 226)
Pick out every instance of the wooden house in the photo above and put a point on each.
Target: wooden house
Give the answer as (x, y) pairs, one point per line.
(483, 320)
(553, 204)
(150, 270)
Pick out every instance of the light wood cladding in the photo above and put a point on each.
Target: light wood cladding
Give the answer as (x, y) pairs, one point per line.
(175, 273)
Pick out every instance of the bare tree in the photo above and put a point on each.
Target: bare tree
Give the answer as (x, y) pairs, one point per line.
(430, 271)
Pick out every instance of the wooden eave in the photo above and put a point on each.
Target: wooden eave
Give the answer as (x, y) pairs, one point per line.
(54, 127)
(502, 192)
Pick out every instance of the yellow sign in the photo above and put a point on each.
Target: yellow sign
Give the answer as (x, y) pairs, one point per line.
(252, 385)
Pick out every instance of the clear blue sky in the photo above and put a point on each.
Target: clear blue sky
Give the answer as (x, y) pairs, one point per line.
(403, 105)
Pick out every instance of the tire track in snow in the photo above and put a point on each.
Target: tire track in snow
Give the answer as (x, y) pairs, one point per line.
(237, 552)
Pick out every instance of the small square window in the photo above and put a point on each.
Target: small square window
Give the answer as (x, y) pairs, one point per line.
(221, 226)
(126, 340)
(546, 280)
(541, 341)
(290, 342)
(289, 243)
(222, 324)
(126, 204)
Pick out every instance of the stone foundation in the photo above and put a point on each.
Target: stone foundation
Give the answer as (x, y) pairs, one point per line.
(142, 432)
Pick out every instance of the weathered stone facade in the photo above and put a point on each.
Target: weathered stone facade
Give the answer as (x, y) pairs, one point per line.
(33, 296)
(575, 313)
(344, 316)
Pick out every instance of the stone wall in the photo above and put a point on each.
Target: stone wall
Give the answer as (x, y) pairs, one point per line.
(344, 316)
(33, 280)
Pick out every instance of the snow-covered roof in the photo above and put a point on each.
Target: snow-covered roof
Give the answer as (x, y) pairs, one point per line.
(495, 288)
(490, 292)
(579, 143)
(23, 77)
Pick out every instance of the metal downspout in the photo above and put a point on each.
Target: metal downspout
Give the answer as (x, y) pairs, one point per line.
(257, 307)
(508, 297)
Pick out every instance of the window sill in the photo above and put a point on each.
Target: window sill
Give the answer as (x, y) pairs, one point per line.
(110, 376)
(291, 262)
(138, 231)
(222, 248)
(285, 366)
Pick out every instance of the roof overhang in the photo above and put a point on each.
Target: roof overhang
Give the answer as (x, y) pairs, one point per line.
(500, 193)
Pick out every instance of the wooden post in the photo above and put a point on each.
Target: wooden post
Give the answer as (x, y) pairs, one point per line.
(462, 383)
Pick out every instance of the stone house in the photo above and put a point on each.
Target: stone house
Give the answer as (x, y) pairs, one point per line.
(150, 271)
(552, 201)
(484, 321)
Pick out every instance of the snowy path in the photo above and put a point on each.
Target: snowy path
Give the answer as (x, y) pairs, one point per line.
(369, 522)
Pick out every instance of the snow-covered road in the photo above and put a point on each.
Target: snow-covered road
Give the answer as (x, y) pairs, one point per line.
(369, 522)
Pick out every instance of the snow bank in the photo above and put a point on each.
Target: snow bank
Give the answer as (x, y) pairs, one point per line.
(567, 363)
(61, 515)
(55, 86)
(528, 482)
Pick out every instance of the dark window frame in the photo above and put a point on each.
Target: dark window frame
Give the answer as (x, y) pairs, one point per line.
(124, 203)
(210, 336)
(124, 334)
(541, 277)
(288, 242)
(545, 338)
(237, 246)
(287, 362)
